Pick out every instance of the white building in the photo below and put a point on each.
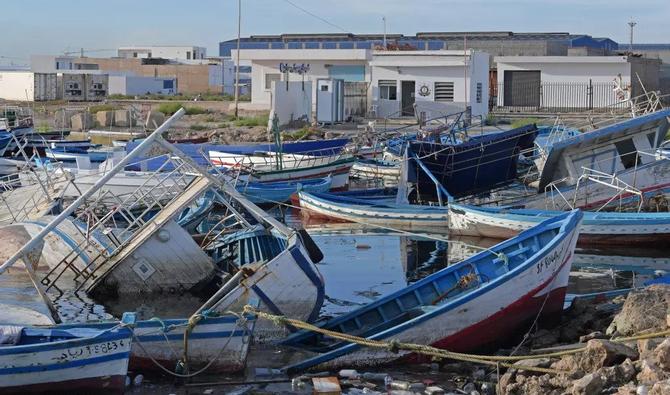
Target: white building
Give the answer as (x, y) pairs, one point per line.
(438, 81)
(579, 82)
(177, 52)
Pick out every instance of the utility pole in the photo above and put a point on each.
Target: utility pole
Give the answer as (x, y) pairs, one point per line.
(384, 20)
(632, 24)
(236, 83)
(465, 70)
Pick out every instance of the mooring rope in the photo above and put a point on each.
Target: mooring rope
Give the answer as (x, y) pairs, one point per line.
(395, 346)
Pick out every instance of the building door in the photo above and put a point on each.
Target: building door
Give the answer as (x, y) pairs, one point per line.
(521, 88)
(407, 98)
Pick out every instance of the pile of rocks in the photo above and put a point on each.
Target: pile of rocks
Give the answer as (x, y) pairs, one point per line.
(607, 366)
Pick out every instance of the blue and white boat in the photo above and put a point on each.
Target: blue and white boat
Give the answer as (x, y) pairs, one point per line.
(67, 359)
(464, 307)
(5, 140)
(371, 211)
(598, 228)
(72, 154)
(222, 340)
(279, 192)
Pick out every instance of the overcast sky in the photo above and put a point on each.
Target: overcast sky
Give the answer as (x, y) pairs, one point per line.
(53, 27)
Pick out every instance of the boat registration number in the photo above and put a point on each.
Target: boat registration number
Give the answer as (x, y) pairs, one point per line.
(91, 350)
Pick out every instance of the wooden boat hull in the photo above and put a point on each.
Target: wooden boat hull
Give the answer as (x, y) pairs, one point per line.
(81, 365)
(376, 169)
(273, 192)
(404, 216)
(530, 283)
(475, 166)
(221, 339)
(289, 284)
(632, 229)
(337, 170)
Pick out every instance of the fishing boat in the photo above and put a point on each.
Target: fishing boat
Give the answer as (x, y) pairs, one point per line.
(279, 192)
(153, 254)
(219, 343)
(373, 212)
(476, 165)
(199, 152)
(70, 359)
(337, 170)
(376, 169)
(597, 228)
(464, 307)
(71, 154)
(5, 140)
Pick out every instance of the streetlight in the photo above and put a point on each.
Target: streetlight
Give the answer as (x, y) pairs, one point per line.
(236, 83)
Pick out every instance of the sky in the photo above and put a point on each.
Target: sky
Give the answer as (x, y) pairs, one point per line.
(55, 27)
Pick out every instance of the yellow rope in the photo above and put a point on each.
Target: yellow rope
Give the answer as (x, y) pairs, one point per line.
(395, 346)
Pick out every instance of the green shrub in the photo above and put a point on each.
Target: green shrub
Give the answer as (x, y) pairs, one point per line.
(199, 127)
(169, 108)
(195, 110)
(259, 120)
(222, 125)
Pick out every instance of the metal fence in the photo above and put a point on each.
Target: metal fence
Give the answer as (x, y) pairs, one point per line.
(553, 97)
(355, 99)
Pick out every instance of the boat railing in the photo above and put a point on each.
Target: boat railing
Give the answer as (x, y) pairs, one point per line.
(620, 187)
(553, 191)
(185, 181)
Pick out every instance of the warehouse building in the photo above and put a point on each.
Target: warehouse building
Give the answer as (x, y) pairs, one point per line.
(495, 43)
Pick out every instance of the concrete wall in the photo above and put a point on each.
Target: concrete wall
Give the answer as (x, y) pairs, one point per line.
(292, 102)
(191, 78)
(648, 71)
(17, 85)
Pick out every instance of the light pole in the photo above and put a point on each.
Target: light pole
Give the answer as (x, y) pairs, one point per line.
(236, 83)
(632, 24)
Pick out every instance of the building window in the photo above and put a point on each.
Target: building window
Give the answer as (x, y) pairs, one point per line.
(269, 78)
(479, 92)
(188, 55)
(388, 90)
(444, 91)
(134, 54)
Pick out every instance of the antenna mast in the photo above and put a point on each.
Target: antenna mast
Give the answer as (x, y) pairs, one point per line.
(632, 24)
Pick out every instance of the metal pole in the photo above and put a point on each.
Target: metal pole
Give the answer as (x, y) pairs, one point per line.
(384, 20)
(632, 25)
(236, 83)
(81, 199)
(465, 70)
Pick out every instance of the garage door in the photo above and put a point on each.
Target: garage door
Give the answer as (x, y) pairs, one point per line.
(522, 88)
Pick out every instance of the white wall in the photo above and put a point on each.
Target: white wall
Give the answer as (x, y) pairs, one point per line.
(292, 103)
(136, 85)
(166, 52)
(451, 70)
(570, 69)
(317, 70)
(17, 85)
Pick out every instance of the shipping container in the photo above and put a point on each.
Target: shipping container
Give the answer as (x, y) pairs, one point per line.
(96, 86)
(45, 87)
(17, 85)
(74, 87)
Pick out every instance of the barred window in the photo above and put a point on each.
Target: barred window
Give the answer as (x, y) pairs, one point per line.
(479, 92)
(388, 90)
(444, 91)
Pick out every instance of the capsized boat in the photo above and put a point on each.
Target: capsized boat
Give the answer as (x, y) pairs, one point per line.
(463, 307)
(598, 228)
(369, 211)
(68, 359)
